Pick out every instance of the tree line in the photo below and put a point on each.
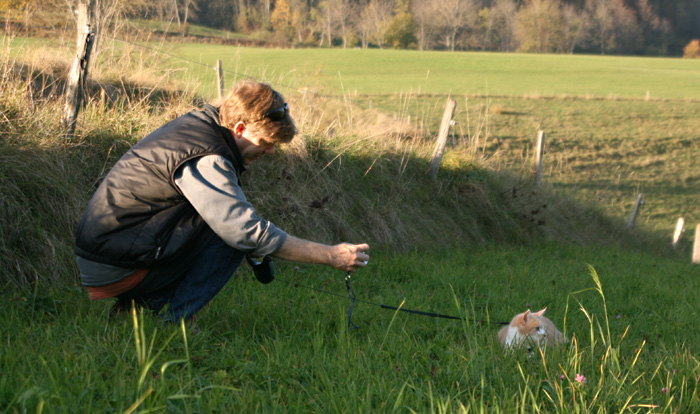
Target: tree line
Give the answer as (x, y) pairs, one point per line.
(649, 27)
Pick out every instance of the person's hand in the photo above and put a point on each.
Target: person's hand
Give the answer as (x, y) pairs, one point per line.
(349, 257)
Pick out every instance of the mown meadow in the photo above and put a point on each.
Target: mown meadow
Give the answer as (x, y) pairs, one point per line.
(482, 244)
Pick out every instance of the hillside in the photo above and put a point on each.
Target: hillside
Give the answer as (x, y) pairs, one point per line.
(352, 174)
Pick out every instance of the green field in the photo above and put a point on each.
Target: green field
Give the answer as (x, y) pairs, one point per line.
(285, 348)
(606, 140)
(392, 71)
(466, 246)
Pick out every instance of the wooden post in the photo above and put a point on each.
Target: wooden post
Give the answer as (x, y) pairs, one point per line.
(77, 76)
(696, 245)
(220, 76)
(678, 232)
(640, 201)
(538, 158)
(442, 137)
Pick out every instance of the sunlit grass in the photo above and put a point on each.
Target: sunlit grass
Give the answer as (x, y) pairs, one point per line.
(283, 347)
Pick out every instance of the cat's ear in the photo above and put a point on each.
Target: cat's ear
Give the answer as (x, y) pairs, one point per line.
(540, 312)
(525, 316)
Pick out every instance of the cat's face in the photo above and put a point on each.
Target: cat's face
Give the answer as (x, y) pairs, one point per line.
(532, 326)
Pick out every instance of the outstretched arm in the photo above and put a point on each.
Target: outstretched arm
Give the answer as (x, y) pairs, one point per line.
(344, 256)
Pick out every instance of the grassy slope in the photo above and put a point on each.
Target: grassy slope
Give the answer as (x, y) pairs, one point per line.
(605, 141)
(282, 348)
(278, 347)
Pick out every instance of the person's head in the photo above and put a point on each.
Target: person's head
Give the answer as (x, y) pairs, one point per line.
(258, 117)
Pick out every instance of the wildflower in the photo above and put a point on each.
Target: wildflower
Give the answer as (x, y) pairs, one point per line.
(618, 316)
(664, 390)
(581, 379)
(562, 377)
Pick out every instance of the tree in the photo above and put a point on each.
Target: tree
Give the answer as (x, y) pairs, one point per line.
(575, 28)
(281, 16)
(496, 27)
(375, 19)
(655, 30)
(539, 26)
(14, 5)
(425, 15)
(401, 31)
(614, 26)
(454, 17)
(342, 18)
(692, 49)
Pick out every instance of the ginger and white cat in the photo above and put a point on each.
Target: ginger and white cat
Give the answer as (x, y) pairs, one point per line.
(529, 327)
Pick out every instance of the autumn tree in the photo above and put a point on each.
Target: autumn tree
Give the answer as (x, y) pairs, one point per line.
(374, 22)
(425, 15)
(13, 5)
(539, 26)
(575, 28)
(455, 17)
(401, 31)
(614, 27)
(496, 27)
(692, 49)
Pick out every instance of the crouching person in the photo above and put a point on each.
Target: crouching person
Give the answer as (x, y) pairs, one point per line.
(169, 224)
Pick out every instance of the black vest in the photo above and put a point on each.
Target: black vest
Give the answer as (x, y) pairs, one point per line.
(137, 217)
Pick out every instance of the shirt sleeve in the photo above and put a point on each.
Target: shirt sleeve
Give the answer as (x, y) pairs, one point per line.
(210, 184)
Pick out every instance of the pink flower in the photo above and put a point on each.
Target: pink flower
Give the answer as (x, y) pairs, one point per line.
(562, 377)
(581, 379)
(664, 390)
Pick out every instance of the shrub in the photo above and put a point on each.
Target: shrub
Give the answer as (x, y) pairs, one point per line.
(692, 49)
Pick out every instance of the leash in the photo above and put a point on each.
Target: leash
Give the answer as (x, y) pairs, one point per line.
(353, 299)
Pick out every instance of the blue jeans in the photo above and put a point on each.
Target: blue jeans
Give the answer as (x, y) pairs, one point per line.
(181, 288)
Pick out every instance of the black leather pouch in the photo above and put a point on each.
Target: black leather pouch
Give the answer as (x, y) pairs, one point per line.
(264, 269)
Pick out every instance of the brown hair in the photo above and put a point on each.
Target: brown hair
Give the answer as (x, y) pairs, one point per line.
(248, 102)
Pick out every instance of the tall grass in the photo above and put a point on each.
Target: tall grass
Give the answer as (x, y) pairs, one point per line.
(349, 165)
(285, 348)
(483, 244)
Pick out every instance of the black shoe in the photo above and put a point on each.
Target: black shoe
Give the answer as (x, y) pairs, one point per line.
(122, 307)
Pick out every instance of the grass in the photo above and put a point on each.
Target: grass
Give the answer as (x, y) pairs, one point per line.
(607, 140)
(283, 348)
(482, 243)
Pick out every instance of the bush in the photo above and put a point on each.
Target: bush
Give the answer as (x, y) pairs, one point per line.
(692, 49)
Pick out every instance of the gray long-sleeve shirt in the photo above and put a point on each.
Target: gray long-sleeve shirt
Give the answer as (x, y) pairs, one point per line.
(210, 184)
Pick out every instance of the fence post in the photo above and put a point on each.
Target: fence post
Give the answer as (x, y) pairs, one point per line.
(696, 245)
(678, 232)
(78, 74)
(538, 158)
(442, 137)
(640, 201)
(220, 77)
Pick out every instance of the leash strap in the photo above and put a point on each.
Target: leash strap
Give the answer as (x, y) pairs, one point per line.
(353, 299)
(433, 315)
(351, 294)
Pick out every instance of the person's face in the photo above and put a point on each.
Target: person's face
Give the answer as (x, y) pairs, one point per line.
(251, 145)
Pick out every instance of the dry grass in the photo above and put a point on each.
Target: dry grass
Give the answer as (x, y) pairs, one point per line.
(352, 174)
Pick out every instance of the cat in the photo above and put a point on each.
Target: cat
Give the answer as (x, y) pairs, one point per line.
(530, 327)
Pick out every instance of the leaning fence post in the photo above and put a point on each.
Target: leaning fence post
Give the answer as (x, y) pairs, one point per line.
(678, 232)
(538, 158)
(696, 245)
(77, 76)
(220, 78)
(640, 201)
(442, 137)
